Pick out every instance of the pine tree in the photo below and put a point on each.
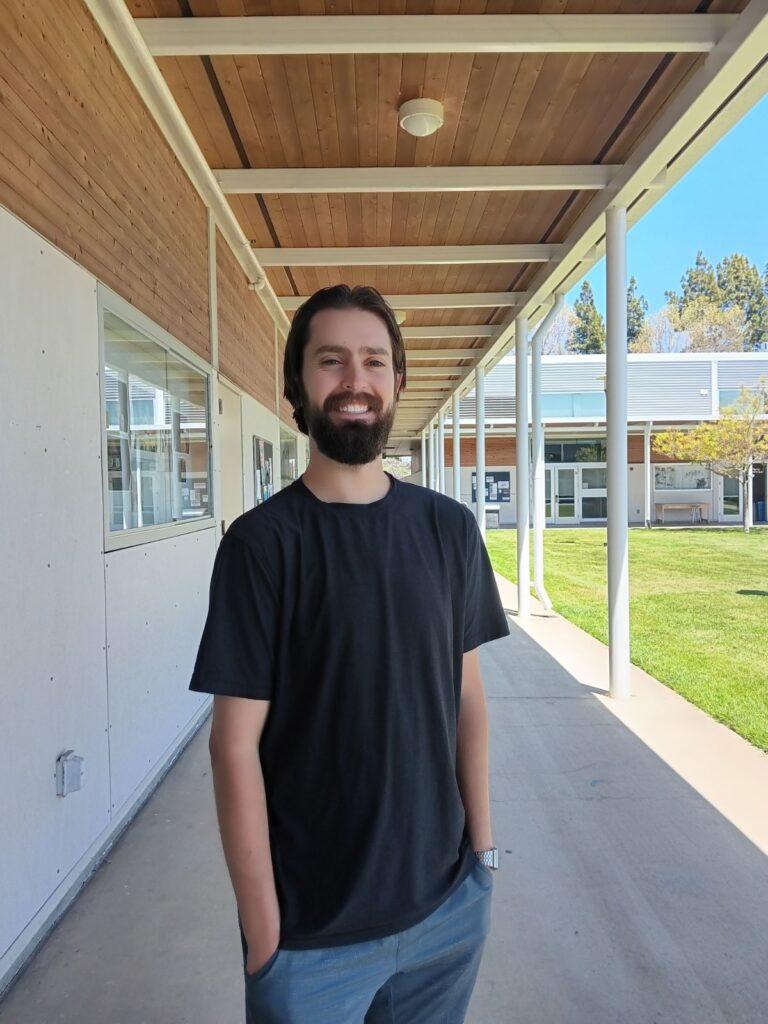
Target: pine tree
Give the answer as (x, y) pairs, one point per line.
(637, 310)
(589, 330)
(740, 285)
(698, 282)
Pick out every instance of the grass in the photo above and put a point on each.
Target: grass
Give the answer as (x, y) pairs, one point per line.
(698, 609)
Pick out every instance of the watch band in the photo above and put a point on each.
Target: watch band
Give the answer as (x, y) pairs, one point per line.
(489, 857)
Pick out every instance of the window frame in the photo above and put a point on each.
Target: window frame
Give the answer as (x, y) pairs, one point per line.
(106, 299)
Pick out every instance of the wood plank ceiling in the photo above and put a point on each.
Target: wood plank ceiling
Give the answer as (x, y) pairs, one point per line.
(341, 111)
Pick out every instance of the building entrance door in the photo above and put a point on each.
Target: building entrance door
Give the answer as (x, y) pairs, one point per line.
(565, 495)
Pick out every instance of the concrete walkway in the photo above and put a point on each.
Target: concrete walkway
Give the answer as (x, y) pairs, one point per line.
(633, 887)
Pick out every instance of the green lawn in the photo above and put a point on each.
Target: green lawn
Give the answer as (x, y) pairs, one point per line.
(698, 609)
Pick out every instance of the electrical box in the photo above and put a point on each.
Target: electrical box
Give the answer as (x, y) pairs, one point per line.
(70, 773)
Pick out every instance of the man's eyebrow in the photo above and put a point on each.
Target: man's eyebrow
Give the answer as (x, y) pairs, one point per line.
(372, 350)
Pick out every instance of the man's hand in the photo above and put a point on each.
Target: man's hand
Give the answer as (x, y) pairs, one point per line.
(259, 951)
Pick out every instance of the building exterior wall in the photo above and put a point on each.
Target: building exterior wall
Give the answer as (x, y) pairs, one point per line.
(82, 161)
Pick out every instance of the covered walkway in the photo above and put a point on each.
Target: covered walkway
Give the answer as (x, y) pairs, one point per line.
(633, 888)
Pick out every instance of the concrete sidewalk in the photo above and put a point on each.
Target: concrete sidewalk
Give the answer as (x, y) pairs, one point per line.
(633, 886)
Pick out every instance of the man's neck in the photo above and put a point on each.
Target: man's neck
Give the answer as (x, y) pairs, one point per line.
(335, 481)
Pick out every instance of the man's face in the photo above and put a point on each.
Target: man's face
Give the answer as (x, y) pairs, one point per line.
(348, 363)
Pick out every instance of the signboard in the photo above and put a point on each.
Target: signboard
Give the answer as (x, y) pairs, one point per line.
(496, 486)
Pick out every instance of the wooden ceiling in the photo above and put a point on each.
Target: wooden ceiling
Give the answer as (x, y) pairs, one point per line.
(340, 110)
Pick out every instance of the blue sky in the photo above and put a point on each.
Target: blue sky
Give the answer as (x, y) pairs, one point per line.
(720, 206)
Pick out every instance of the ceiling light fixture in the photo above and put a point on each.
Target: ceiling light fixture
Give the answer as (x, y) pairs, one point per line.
(400, 315)
(421, 117)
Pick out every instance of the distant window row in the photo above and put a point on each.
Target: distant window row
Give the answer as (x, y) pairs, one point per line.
(573, 405)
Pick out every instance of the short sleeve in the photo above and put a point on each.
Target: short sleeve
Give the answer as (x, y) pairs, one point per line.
(236, 656)
(484, 616)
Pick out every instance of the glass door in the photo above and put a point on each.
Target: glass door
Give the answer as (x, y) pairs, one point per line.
(565, 495)
(731, 499)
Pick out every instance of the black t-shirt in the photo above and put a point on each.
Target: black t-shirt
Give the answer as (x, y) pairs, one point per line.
(352, 619)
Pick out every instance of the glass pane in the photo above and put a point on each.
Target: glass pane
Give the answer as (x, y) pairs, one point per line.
(594, 508)
(566, 505)
(553, 452)
(594, 479)
(157, 431)
(679, 476)
(547, 494)
(731, 489)
(558, 406)
(289, 458)
(589, 403)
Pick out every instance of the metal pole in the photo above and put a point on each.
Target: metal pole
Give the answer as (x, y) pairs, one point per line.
(523, 497)
(616, 436)
(456, 423)
(539, 494)
(423, 460)
(647, 471)
(433, 438)
(480, 445)
(441, 451)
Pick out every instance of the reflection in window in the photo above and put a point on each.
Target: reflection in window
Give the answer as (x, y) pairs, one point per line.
(731, 495)
(594, 508)
(573, 404)
(575, 451)
(682, 476)
(156, 415)
(289, 457)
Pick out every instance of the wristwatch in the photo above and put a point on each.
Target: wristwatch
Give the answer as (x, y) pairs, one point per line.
(489, 857)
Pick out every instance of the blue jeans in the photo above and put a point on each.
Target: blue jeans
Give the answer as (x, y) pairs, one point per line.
(424, 974)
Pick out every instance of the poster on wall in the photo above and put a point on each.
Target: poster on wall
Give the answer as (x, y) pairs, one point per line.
(497, 487)
(263, 470)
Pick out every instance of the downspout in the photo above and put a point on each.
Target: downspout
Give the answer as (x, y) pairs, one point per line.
(538, 451)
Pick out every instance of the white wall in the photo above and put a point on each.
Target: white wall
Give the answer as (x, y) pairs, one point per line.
(97, 653)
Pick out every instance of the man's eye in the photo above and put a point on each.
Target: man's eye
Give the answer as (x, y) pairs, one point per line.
(329, 361)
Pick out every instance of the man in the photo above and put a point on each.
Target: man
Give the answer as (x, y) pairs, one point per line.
(349, 737)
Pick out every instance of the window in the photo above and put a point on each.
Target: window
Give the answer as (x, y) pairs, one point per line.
(681, 476)
(727, 396)
(575, 451)
(289, 457)
(731, 496)
(156, 418)
(573, 405)
(594, 508)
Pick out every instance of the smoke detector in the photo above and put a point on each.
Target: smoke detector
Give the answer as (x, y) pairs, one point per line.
(421, 117)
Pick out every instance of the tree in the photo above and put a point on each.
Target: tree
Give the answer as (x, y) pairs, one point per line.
(740, 285)
(658, 334)
(708, 327)
(557, 341)
(698, 282)
(589, 330)
(637, 310)
(729, 446)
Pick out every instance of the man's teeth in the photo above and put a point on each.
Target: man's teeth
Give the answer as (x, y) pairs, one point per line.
(354, 408)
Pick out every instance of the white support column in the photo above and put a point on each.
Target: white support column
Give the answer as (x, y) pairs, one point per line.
(456, 424)
(441, 451)
(647, 473)
(428, 477)
(480, 446)
(523, 497)
(539, 492)
(748, 509)
(616, 416)
(423, 460)
(433, 455)
(214, 441)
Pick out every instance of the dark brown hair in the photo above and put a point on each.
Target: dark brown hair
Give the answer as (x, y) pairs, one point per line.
(340, 296)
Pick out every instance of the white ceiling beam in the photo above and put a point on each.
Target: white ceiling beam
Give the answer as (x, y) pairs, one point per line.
(449, 300)
(452, 331)
(436, 371)
(307, 180)
(405, 255)
(431, 33)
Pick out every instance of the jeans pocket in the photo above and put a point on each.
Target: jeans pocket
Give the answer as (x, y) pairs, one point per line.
(486, 872)
(259, 973)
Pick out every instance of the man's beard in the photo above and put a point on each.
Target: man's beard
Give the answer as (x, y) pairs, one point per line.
(354, 442)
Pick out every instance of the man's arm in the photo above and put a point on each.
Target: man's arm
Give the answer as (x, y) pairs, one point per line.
(472, 753)
(242, 812)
